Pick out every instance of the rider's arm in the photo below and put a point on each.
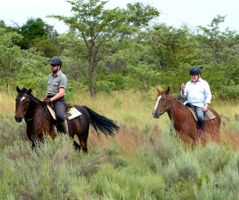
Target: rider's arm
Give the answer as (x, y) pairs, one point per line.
(58, 95)
(184, 91)
(61, 93)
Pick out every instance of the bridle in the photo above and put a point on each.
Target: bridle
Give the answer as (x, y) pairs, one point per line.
(28, 120)
(162, 112)
(35, 115)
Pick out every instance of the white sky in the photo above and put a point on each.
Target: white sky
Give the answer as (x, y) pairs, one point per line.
(173, 12)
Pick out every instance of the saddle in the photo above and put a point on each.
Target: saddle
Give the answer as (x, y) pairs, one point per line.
(208, 114)
(71, 112)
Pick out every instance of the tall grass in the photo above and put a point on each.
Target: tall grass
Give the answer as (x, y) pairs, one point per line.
(145, 160)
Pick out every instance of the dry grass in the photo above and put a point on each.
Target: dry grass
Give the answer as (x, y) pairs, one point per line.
(132, 112)
(127, 139)
(227, 109)
(231, 140)
(7, 104)
(123, 107)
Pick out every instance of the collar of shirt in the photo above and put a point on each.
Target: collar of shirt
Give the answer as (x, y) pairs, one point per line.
(199, 80)
(56, 74)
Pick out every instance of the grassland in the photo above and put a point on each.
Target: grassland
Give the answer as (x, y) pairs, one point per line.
(144, 161)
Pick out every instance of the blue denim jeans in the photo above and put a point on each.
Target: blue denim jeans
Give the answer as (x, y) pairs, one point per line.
(201, 116)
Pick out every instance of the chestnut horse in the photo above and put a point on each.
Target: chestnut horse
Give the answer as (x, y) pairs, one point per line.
(39, 120)
(183, 120)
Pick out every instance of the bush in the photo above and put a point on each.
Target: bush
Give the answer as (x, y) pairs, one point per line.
(229, 92)
(214, 156)
(184, 168)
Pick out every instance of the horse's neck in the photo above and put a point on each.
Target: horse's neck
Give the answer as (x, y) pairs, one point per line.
(176, 109)
(34, 107)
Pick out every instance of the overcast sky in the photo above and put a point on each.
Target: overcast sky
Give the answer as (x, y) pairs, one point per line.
(192, 13)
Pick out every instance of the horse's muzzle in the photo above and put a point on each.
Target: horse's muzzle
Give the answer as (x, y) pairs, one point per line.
(18, 118)
(156, 114)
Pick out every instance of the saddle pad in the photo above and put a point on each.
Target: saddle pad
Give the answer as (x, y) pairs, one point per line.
(53, 114)
(71, 114)
(208, 115)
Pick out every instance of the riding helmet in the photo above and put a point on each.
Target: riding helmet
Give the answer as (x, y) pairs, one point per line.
(194, 71)
(55, 61)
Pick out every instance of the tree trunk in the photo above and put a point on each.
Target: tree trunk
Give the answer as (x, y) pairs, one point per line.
(91, 79)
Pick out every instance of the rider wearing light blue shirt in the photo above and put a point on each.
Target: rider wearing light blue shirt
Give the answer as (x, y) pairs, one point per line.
(198, 94)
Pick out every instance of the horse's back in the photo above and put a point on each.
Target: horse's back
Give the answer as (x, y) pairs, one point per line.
(83, 110)
(217, 118)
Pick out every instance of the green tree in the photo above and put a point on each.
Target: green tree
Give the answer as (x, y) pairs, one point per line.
(9, 53)
(218, 52)
(36, 33)
(98, 27)
(213, 40)
(172, 47)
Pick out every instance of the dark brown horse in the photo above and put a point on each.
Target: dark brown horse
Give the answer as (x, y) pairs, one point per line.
(40, 122)
(183, 120)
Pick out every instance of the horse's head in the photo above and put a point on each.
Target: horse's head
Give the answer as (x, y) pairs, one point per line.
(162, 104)
(22, 103)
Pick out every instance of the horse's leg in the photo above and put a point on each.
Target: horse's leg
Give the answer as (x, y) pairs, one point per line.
(83, 142)
(74, 131)
(76, 145)
(31, 138)
(33, 144)
(83, 139)
(53, 132)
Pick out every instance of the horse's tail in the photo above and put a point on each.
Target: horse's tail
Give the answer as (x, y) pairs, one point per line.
(102, 123)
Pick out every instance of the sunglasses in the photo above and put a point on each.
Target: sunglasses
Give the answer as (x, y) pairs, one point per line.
(53, 65)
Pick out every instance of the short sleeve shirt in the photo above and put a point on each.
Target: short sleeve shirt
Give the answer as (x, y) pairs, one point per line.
(56, 82)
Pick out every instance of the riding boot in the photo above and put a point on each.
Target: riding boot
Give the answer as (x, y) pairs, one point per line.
(200, 128)
(63, 127)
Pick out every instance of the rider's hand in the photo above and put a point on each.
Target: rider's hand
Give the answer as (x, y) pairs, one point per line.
(182, 87)
(205, 107)
(47, 100)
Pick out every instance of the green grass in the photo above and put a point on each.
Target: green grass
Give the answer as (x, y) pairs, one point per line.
(143, 161)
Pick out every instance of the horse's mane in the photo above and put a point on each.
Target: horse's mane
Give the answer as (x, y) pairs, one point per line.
(33, 98)
(177, 101)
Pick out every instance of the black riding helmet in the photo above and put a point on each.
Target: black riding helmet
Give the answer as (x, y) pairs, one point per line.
(194, 71)
(55, 61)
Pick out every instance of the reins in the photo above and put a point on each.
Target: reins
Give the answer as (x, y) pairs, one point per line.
(37, 114)
(28, 120)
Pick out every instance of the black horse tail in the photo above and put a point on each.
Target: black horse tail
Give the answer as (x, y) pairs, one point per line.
(102, 123)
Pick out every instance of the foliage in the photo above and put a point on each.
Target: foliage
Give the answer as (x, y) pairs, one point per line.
(143, 161)
(35, 29)
(172, 47)
(98, 26)
(10, 53)
(126, 55)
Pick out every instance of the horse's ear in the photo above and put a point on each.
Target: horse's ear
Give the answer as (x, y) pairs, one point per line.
(29, 91)
(158, 90)
(168, 90)
(18, 89)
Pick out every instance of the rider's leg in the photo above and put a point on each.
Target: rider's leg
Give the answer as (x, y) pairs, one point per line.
(201, 117)
(60, 116)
